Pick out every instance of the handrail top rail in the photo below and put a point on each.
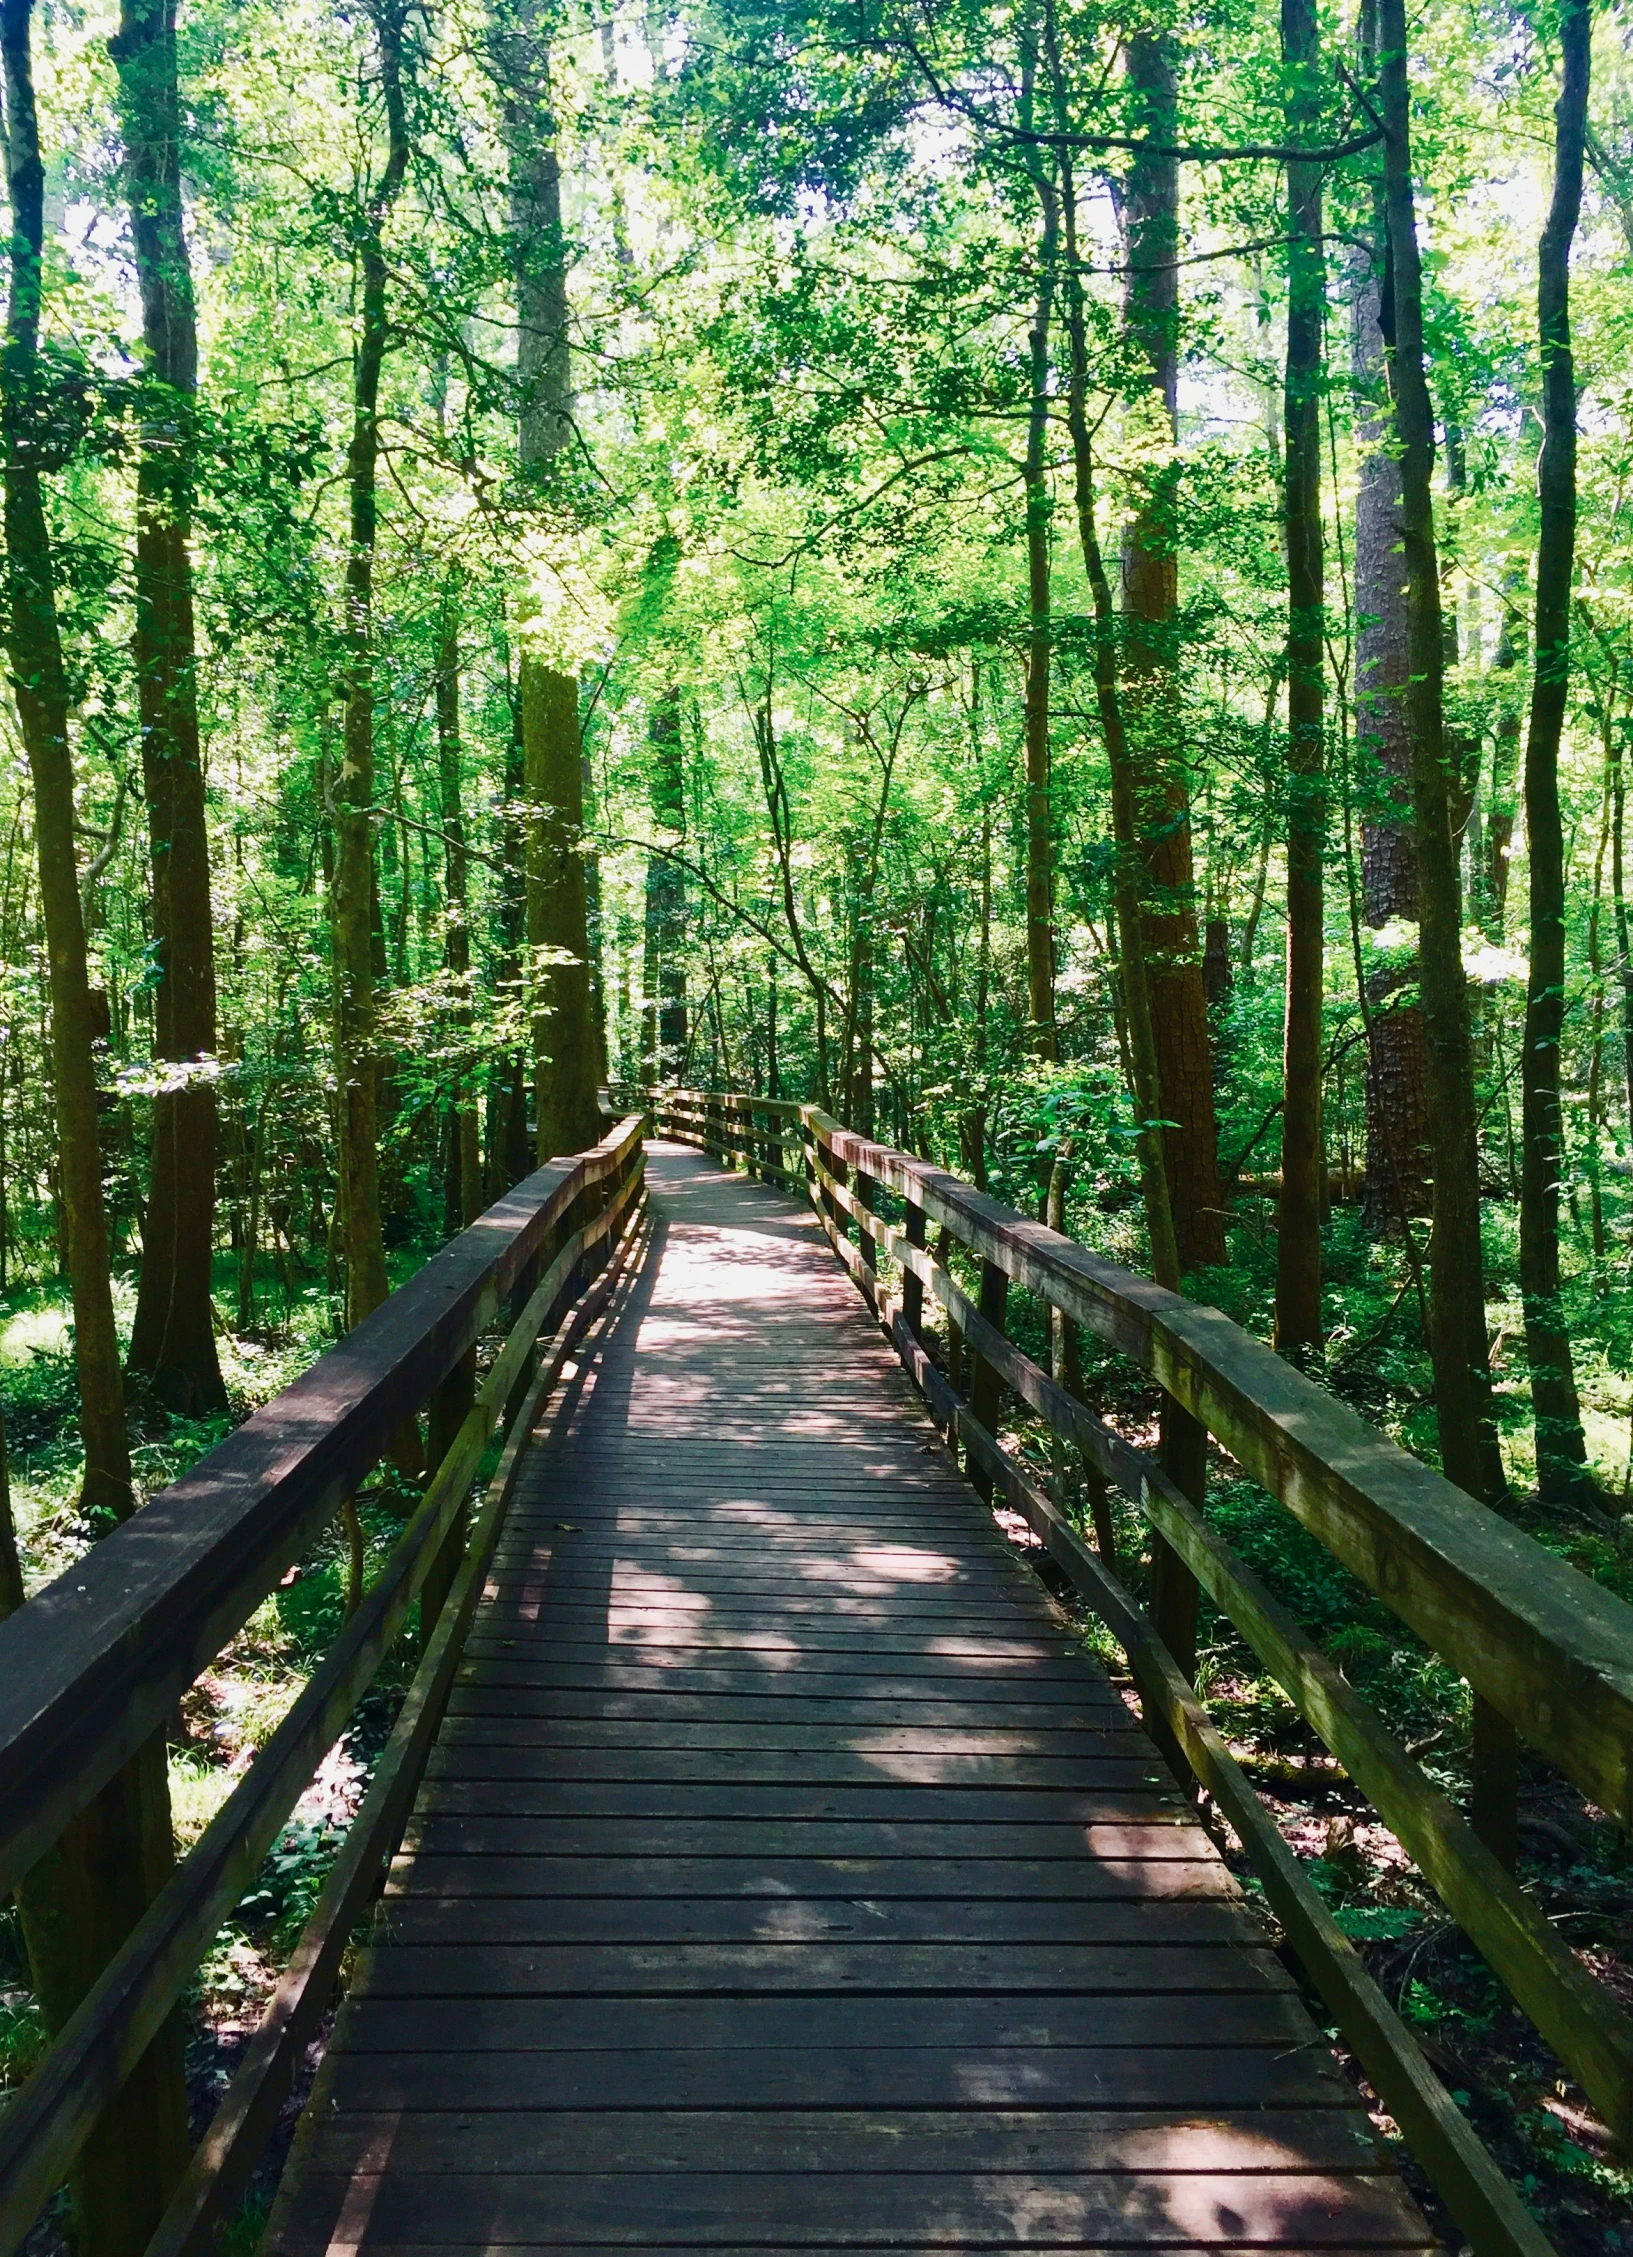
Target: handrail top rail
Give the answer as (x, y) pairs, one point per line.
(94, 1661)
(1546, 1645)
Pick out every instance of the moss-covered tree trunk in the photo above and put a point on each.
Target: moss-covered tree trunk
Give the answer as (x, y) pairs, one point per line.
(172, 1340)
(565, 1042)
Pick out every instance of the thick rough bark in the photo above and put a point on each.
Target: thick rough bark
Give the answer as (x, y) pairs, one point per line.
(464, 1201)
(1562, 1469)
(566, 1116)
(1458, 1341)
(357, 1061)
(1298, 1245)
(566, 1050)
(173, 1336)
(1161, 786)
(1396, 1184)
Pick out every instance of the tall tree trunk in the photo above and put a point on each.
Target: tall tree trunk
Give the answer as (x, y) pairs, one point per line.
(1298, 1248)
(510, 1149)
(40, 683)
(1396, 1184)
(173, 1337)
(1618, 890)
(566, 1053)
(1492, 904)
(1161, 786)
(1562, 1470)
(1458, 1342)
(357, 1062)
(663, 978)
(91, 1888)
(464, 1140)
(1138, 1008)
(1040, 921)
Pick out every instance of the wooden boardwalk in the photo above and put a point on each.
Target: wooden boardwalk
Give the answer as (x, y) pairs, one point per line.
(785, 1877)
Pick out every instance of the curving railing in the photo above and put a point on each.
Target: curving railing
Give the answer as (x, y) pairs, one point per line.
(1548, 1652)
(91, 1669)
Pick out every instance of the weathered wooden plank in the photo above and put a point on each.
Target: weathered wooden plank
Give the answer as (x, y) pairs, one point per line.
(1091, 1708)
(1143, 1798)
(763, 1970)
(611, 1919)
(1123, 1870)
(771, 2025)
(1075, 2142)
(788, 1768)
(655, 2078)
(1135, 2209)
(571, 1736)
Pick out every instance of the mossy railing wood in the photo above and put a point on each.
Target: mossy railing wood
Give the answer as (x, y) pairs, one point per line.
(93, 1663)
(1545, 1646)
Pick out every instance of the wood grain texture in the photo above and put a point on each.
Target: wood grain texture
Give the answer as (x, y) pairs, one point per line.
(786, 1876)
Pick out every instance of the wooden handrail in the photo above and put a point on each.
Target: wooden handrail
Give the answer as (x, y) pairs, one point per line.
(553, 1246)
(1547, 1646)
(96, 1661)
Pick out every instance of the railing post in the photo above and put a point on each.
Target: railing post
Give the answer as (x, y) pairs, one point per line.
(913, 1286)
(450, 1407)
(985, 1385)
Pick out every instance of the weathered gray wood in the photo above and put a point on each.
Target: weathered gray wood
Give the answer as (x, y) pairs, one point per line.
(790, 1789)
(226, 2156)
(1547, 1647)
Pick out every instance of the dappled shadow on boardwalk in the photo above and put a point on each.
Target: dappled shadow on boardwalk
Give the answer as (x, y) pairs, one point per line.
(785, 1877)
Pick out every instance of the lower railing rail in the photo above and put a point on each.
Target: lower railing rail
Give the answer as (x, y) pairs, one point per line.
(1548, 1649)
(558, 1245)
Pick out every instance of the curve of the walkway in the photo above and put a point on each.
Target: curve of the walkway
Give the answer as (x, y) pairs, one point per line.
(785, 1876)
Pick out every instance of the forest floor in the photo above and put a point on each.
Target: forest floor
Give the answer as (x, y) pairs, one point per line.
(1579, 1866)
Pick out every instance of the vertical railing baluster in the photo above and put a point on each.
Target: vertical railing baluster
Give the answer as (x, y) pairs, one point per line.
(1494, 1805)
(912, 1284)
(986, 1388)
(450, 1407)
